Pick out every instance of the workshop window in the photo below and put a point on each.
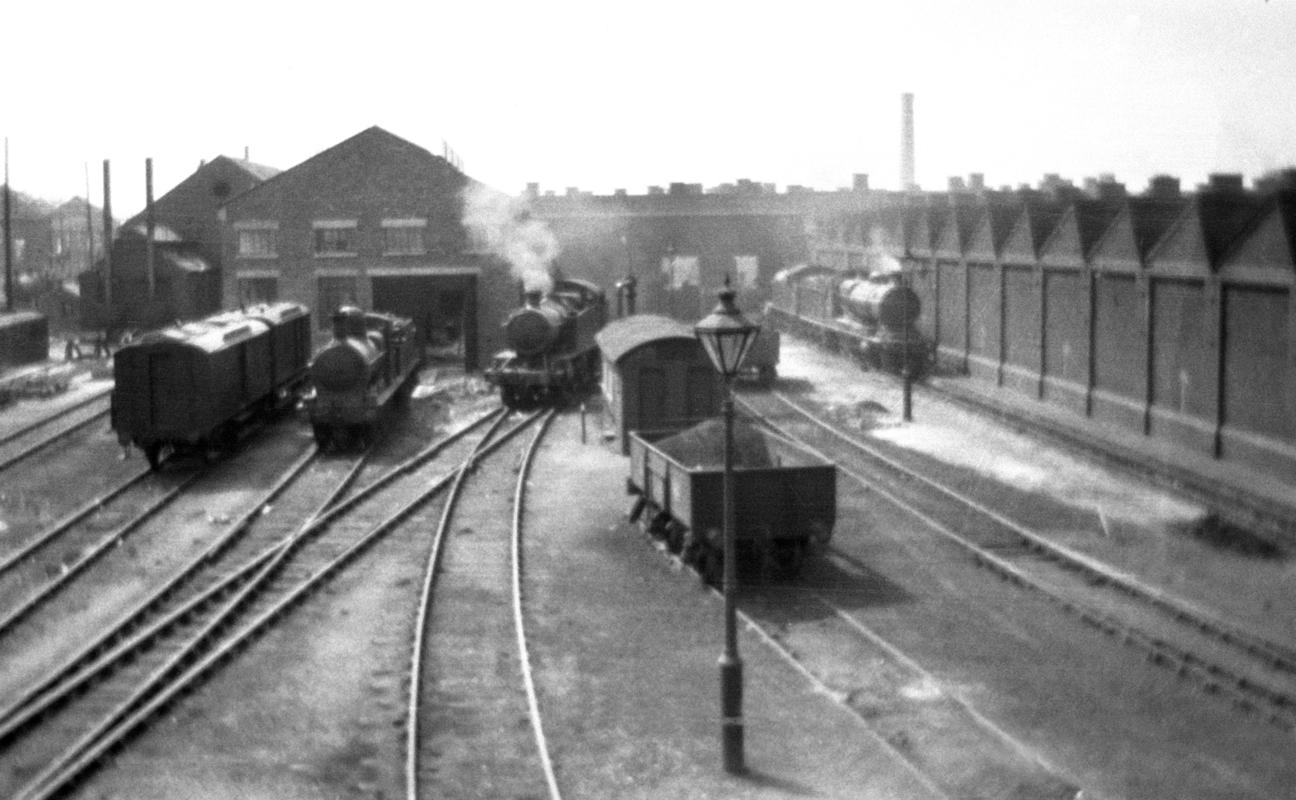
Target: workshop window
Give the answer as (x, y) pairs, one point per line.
(403, 239)
(257, 243)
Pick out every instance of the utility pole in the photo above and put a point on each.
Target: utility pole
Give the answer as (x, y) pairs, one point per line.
(108, 236)
(148, 227)
(8, 235)
(89, 222)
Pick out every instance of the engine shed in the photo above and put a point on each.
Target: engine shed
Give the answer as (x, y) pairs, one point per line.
(656, 376)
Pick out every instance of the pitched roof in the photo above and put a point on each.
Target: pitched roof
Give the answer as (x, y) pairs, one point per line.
(1150, 219)
(619, 337)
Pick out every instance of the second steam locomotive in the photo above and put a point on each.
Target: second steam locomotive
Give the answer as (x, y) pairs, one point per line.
(551, 349)
(370, 364)
(874, 316)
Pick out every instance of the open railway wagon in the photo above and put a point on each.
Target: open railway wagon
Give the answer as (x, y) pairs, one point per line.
(785, 497)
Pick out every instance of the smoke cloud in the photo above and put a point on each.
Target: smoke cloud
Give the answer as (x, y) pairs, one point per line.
(880, 260)
(503, 226)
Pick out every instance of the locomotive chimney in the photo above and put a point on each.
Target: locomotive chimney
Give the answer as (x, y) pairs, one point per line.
(340, 323)
(532, 298)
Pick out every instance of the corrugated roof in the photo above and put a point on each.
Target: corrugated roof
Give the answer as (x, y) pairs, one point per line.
(619, 337)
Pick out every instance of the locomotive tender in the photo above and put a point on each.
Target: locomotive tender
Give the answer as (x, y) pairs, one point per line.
(552, 353)
(194, 386)
(875, 315)
(370, 364)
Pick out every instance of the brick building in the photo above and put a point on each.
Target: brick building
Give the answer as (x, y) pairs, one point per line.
(376, 221)
(182, 278)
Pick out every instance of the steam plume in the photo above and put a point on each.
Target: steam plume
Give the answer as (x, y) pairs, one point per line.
(504, 226)
(880, 260)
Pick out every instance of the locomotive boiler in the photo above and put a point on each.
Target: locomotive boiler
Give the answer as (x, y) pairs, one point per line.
(551, 352)
(195, 386)
(872, 316)
(886, 311)
(369, 365)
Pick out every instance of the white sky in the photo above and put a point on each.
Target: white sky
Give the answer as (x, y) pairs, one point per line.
(605, 95)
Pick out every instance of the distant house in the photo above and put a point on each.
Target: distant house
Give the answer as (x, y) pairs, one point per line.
(184, 279)
(375, 221)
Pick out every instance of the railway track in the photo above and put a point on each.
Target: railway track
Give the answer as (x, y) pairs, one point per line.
(107, 696)
(420, 746)
(25, 442)
(34, 571)
(1254, 674)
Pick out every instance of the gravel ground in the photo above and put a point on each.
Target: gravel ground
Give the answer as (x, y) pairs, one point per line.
(1134, 526)
(626, 647)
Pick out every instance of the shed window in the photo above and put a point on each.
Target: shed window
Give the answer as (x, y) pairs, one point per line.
(748, 269)
(257, 243)
(335, 241)
(403, 241)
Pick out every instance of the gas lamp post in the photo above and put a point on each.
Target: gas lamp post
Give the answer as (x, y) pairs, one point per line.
(727, 336)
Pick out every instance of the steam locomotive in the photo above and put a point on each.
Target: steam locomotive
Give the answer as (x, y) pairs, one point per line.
(370, 364)
(873, 316)
(193, 387)
(551, 351)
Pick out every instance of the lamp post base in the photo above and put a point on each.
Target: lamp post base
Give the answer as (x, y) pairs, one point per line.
(731, 725)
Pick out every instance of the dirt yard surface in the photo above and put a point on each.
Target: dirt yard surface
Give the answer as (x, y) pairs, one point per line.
(1133, 525)
(626, 645)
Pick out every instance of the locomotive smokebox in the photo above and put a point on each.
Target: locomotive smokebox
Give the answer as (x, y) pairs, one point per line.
(533, 329)
(880, 302)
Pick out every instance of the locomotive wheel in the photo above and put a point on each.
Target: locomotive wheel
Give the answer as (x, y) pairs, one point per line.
(323, 437)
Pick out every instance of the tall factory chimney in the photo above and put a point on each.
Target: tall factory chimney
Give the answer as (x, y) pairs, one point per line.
(906, 142)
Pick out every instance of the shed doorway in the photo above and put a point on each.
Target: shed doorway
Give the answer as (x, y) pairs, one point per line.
(444, 309)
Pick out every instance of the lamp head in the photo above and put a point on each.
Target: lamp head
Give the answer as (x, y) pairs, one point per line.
(726, 334)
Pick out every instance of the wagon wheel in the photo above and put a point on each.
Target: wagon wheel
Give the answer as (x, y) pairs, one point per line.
(153, 452)
(659, 525)
(691, 550)
(323, 437)
(783, 558)
(675, 535)
(710, 566)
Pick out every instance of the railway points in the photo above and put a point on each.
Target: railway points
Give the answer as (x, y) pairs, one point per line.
(892, 664)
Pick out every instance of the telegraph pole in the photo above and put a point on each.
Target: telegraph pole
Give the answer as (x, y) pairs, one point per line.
(148, 226)
(8, 235)
(108, 235)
